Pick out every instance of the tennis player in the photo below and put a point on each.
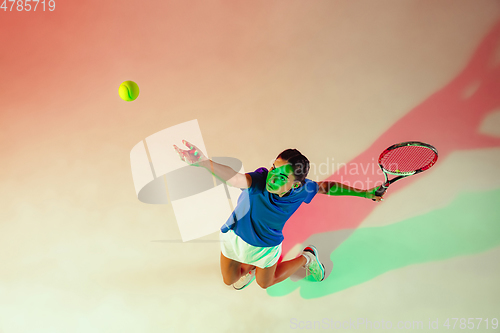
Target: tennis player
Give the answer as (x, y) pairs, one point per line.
(251, 237)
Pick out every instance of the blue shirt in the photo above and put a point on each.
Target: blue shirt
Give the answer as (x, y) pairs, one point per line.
(259, 216)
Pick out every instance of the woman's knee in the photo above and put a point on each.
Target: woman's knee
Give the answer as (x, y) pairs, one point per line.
(264, 284)
(265, 277)
(227, 280)
(229, 276)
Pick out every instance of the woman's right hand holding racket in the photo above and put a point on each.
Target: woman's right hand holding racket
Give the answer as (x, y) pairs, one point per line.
(371, 194)
(193, 156)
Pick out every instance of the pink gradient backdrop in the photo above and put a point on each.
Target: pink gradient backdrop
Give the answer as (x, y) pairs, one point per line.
(80, 253)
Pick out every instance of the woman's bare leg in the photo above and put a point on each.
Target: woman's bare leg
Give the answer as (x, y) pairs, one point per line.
(269, 276)
(233, 270)
(245, 268)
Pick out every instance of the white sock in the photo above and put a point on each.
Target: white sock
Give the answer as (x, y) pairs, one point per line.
(308, 260)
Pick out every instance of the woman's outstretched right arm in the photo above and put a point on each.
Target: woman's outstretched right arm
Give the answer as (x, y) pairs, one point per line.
(228, 175)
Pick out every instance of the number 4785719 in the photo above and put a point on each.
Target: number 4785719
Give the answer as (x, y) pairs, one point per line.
(470, 323)
(27, 5)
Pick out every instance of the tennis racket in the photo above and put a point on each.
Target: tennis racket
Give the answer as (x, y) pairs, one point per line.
(403, 160)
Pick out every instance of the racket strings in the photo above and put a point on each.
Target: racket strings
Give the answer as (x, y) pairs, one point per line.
(407, 159)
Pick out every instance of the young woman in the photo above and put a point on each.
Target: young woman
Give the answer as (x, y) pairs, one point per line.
(251, 238)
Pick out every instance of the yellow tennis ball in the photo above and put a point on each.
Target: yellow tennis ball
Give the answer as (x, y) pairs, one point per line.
(128, 91)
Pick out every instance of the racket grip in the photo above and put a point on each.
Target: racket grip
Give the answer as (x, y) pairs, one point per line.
(381, 190)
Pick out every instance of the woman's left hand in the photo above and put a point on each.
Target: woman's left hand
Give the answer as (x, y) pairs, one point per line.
(193, 156)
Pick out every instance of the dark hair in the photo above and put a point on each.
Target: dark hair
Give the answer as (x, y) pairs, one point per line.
(299, 162)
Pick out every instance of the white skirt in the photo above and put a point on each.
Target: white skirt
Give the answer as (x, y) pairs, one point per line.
(233, 247)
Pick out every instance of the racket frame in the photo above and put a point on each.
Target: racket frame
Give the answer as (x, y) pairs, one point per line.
(381, 190)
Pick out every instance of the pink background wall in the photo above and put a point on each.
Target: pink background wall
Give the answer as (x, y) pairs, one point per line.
(338, 80)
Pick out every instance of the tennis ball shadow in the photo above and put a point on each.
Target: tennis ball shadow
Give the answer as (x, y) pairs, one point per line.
(469, 225)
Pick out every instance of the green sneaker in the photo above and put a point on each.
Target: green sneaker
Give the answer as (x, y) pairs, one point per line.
(244, 280)
(315, 267)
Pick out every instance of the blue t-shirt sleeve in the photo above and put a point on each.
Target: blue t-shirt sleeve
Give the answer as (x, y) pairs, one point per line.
(259, 177)
(311, 188)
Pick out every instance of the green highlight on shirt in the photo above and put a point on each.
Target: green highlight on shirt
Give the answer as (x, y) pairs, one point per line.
(469, 225)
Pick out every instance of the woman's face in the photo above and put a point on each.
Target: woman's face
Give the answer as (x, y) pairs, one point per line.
(280, 178)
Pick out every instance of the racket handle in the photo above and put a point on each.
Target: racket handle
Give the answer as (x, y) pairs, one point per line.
(381, 190)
